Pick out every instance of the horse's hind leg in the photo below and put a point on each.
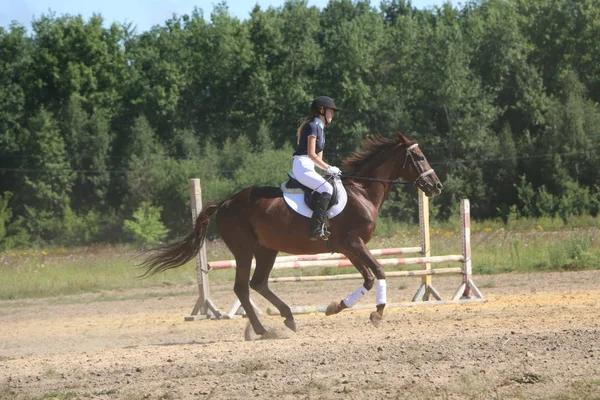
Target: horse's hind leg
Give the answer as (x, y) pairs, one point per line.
(242, 242)
(242, 290)
(265, 258)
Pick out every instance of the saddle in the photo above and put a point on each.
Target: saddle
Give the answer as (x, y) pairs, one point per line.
(293, 186)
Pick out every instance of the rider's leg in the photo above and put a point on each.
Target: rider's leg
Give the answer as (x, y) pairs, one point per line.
(317, 220)
(304, 171)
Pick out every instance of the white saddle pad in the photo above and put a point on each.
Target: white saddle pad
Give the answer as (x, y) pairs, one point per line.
(296, 200)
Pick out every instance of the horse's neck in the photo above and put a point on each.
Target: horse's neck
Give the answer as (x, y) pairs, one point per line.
(377, 192)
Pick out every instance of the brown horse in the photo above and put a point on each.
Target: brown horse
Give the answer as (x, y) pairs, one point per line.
(256, 222)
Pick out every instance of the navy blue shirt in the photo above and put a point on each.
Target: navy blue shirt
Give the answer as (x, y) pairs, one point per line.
(313, 128)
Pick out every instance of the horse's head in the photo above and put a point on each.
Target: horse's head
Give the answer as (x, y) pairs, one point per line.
(385, 159)
(416, 168)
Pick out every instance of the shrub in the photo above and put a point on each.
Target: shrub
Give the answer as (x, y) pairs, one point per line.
(146, 227)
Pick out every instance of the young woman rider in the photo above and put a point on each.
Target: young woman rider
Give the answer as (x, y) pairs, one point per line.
(309, 153)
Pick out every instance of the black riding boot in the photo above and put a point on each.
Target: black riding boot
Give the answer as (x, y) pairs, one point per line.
(318, 218)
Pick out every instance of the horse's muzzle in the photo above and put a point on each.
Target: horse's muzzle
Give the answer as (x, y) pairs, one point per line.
(432, 190)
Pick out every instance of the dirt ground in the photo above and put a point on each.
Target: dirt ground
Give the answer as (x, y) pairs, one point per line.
(537, 337)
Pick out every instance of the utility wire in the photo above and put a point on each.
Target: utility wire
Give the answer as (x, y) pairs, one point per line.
(451, 162)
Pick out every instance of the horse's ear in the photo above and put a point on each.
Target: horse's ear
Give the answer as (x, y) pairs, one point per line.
(402, 138)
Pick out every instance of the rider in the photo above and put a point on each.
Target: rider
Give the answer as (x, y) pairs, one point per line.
(309, 152)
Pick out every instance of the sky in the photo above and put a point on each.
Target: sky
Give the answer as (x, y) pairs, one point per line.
(143, 13)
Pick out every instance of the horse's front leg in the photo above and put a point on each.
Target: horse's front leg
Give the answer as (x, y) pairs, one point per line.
(357, 250)
(359, 293)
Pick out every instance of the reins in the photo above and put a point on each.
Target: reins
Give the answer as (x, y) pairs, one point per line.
(366, 178)
(398, 181)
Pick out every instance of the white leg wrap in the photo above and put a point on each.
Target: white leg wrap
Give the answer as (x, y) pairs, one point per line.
(351, 300)
(381, 295)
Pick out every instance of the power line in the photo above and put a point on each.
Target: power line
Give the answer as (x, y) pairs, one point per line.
(530, 157)
(449, 162)
(47, 170)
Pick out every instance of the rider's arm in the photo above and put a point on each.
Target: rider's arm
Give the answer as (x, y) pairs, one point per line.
(317, 158)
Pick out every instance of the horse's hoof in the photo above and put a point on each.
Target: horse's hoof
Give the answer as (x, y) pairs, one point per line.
(332, 308)
(270, 334)
(376, 319)
(250, 335)
(290, 323)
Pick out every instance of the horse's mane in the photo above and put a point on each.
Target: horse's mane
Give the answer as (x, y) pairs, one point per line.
(372, 147)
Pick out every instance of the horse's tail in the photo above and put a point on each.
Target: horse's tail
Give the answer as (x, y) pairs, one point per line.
(178, 253)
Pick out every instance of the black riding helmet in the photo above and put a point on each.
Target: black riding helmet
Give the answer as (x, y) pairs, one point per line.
(324, 102)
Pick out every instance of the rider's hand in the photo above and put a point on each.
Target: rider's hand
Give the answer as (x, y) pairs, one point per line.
(333, 170)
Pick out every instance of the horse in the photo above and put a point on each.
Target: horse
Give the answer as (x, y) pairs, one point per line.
(256, 222)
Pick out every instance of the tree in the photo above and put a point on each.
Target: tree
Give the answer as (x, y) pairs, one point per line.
(15, 63)
(88, 140)
(72, 56)
(47, 178)
(352, 39)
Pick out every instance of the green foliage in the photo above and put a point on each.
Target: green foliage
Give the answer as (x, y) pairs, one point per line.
(96, 120)
(267, 168)
(574, 255)
(5, 213)
(572, 200)
(48, 178)
(146, 227)
(78, 230)
(233, 155)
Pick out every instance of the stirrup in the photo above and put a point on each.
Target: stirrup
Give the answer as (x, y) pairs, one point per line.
(321, 233)
(324, 233)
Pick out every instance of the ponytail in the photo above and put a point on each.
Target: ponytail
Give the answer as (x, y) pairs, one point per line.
(301, 127)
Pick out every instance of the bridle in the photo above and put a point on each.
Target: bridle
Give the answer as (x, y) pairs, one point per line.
(409, 155)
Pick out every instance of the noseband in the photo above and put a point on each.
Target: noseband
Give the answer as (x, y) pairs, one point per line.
(409, 154)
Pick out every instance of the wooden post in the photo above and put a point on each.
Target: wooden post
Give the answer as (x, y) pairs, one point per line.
(425, 239)
(426, 290)
(465, 216)
(467, 289)
(204, 305)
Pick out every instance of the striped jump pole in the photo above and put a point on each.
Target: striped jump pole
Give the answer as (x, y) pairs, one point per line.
(317, 257)
(384, 262)
(392, 274)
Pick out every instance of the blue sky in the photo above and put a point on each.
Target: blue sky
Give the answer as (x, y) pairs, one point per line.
(142, 13)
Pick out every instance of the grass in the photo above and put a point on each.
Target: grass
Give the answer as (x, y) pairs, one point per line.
(61, 272)
(518, 246)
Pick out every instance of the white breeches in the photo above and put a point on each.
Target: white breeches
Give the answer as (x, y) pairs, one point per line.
(303, 169)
